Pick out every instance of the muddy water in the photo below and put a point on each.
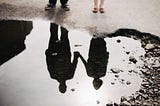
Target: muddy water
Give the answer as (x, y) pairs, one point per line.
(25, 79)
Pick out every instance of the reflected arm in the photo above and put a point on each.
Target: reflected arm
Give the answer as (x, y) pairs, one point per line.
(83, 60)
(75, 60)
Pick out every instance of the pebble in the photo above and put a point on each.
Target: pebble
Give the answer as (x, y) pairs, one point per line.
(98, 102)
(132, 59)
(118, 41)
(149, 46)
(156, 65)
(116, 70)
(73, 89)
(128, 82)
(116, 76)
(112, 83)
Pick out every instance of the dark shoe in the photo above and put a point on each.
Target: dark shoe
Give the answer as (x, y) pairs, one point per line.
(95, 10)
(65, 7)
(101, 10)
(49, 6)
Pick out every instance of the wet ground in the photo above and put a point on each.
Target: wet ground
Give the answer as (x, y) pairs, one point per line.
(142, 15)
(38, 56)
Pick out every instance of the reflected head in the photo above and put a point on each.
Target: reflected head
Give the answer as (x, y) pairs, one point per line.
(97, 83)
(62, 87)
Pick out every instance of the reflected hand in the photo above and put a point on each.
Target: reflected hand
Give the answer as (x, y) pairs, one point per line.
(76, 54)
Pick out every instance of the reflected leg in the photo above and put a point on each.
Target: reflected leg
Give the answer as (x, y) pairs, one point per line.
(54, 35)
(53, 2)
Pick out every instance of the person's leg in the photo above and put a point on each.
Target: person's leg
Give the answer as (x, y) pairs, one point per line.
(64, 34)
(95, 3)
(64, 5)
(65, 40)
(95, 8)
(51, 4)
(101, 6)
(54, 35)
(63, 2)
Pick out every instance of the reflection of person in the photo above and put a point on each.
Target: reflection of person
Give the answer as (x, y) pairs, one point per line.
(58, 57)
(12, 37)
(97, 62)
(101, 6)
(52, 4)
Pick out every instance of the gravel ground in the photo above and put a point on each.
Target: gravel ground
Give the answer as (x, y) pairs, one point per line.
(149, 93)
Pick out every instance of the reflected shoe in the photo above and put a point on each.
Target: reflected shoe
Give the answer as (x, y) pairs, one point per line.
(65, 7)
(97, 83)
(49, 6)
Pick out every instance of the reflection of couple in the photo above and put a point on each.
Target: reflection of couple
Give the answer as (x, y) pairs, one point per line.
(97, 62)
(58, 57)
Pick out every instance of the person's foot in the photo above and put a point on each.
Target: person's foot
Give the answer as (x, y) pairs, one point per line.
(101, 10)
(49, 6)
(95, 10)
(65, 7)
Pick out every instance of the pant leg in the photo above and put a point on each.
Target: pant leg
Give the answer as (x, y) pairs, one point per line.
(65, 41)
(53, 2)
(54, 36)
(63, 2)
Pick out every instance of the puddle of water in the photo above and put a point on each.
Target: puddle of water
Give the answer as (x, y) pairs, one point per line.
(26, 78)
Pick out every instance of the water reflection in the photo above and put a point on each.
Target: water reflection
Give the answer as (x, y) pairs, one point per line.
(97, 62)
(12, 37)
(58, 57)
(26, 77)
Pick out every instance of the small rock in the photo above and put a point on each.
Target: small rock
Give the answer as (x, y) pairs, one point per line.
(155, 90)
(130, 71)
(149, 46)
(145, 96)
(145, 104)
(128, 82)
(127, 53)
(98, 102)
(116, 76)
(155, 104)
(123, 99)
(122, 80)
(72, 89)
(141, 90)
(132, 59)
(125, 103)
(156, 66)
(112, 83)
(115, 70)
(115, 104)
(118, 41)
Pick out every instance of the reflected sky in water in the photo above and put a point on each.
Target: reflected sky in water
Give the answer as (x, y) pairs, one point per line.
(25, 80)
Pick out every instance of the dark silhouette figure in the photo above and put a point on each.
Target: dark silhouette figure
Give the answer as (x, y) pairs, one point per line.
(12, 38)
(97, 62)
(58, 57)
